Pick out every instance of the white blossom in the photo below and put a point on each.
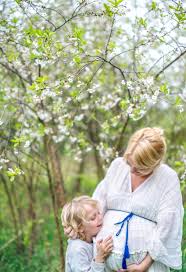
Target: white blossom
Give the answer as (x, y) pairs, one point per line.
(79, 117)
(27, 144)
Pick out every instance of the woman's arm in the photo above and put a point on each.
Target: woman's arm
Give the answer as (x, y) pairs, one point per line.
(165, 245)
(142, 267)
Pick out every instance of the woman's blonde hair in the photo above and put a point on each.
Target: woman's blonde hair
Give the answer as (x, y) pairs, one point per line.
(74, 213)
(147, 148)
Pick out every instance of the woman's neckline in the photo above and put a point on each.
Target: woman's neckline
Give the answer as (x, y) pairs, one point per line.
(142, 184)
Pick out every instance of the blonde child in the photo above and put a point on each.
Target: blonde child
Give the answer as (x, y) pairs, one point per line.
(85, 219)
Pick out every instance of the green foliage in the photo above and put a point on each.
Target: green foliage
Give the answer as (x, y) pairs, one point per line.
(108, 10)
(142, 22)
(115, 3)
(164, 89)
(179, 12)
(18, 140)
(45, 258)
(13, 172)
(154, 5)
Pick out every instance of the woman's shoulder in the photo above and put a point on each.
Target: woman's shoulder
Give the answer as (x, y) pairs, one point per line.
(118, 161)
(166, 173)
(165, 168)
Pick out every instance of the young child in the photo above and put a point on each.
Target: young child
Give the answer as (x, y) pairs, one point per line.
(84, 217)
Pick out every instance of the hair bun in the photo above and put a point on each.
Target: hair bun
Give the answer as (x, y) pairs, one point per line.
(159, 131)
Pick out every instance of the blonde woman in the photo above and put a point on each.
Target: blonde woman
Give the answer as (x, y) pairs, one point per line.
(142, 205)
(83, 215)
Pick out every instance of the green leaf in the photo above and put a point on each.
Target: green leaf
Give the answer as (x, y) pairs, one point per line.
(178, 101)
(154, 5)
(108, 10)
(42, 79)
(115, 3)
(172, 7)
(3, 22)
(18, 140)
(13, 172)
(12, 56)
(69, 123)
(181, 17)
(178, 163)
(15, 20)
(74, 93)
(41, 129)
(123, 104)
(77, 59)
(164, 89)
(79, 34)
(112, 45)
(142, 22)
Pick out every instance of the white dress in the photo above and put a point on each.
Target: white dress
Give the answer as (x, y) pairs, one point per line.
(155, 227)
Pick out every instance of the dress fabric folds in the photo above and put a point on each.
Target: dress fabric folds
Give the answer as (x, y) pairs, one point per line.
(155, 228)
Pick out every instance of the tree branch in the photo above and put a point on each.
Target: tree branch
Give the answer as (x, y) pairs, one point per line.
(109, 38)
(168, 65)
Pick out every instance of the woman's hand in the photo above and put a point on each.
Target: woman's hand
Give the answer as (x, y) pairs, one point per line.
(133, 268)
(142, 267)
(69, 232)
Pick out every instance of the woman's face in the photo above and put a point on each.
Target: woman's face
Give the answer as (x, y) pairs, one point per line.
(136, 171)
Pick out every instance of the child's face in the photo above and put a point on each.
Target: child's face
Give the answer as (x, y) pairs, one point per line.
(93, 224)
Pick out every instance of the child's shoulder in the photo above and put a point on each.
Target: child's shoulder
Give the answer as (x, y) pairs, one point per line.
(77, 244)
(78, 248)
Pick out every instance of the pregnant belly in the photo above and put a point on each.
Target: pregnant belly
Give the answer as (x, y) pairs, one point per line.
(139, 232)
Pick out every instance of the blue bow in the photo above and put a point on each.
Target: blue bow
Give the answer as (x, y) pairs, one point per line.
(126, 254)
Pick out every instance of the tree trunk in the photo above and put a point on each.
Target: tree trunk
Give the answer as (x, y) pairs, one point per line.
(119, 143)
(12, 212)
(77, 186)
(31, 211)
(57, 220)
(93, 134)
(19, 215)
(55, 169)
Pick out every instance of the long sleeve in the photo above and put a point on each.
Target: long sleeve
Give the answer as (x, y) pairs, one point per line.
(100, 192)
(165, 246)
(80, 261)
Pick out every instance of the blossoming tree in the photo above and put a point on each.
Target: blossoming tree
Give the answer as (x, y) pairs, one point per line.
(74, 74)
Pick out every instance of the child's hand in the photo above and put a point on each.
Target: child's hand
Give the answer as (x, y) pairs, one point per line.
(104, 248)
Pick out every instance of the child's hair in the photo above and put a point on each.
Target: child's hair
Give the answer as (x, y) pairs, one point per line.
(74, 213)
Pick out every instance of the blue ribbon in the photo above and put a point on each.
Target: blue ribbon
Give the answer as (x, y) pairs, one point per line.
(126, 253)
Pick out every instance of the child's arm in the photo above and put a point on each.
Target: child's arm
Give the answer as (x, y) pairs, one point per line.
(79, 258)
(81, 262)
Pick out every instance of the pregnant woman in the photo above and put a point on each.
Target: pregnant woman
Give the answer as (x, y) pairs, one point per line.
(142, 205)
